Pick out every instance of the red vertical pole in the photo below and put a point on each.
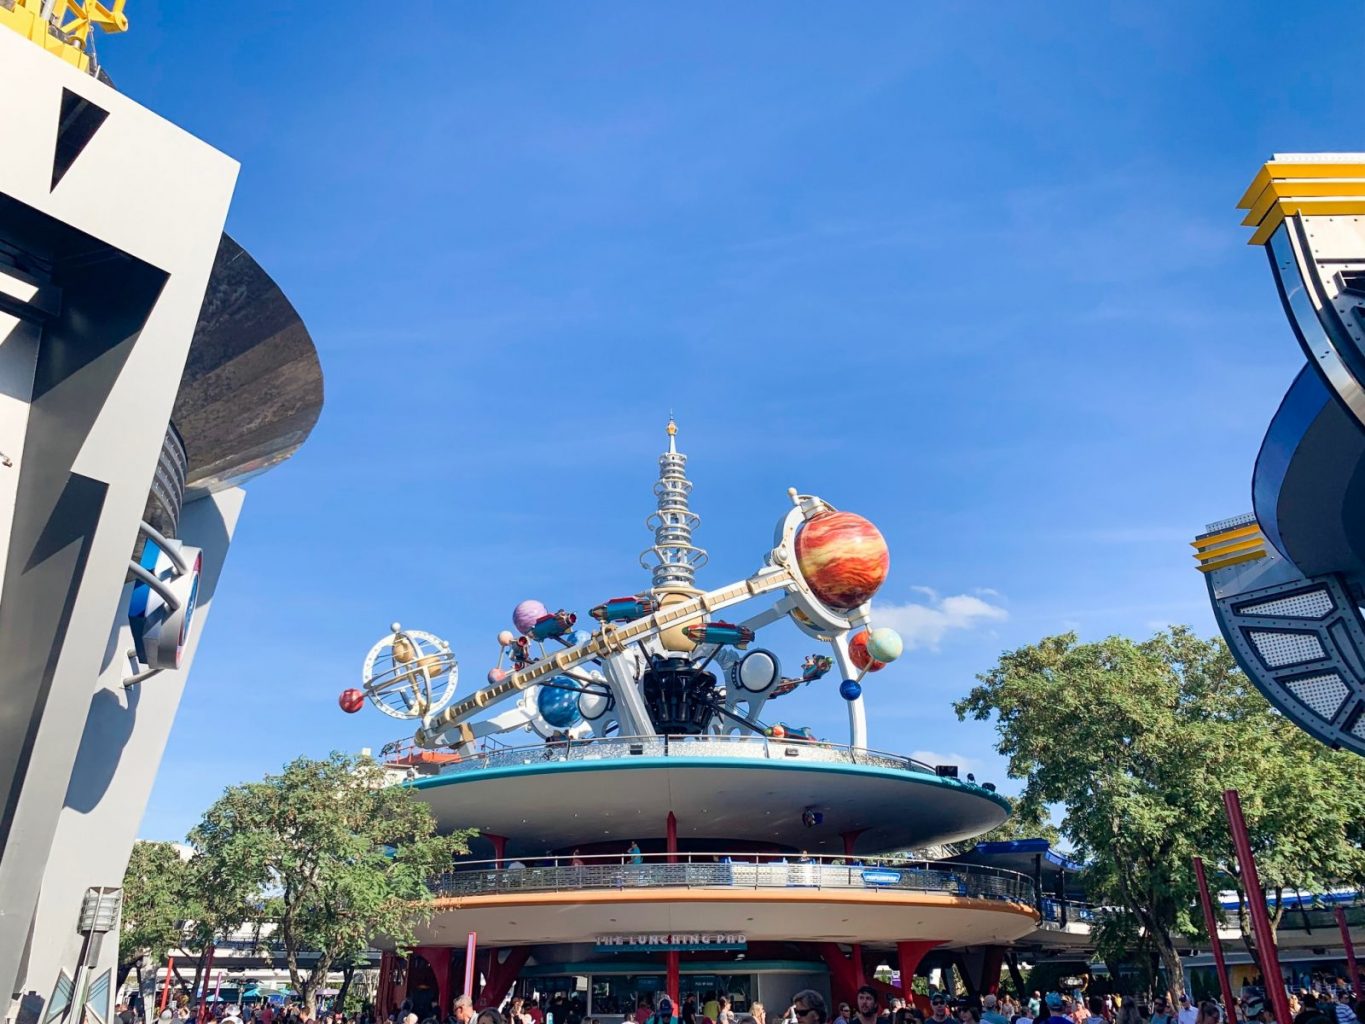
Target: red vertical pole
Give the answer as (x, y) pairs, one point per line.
(1260, 920)
(992, 963)
(166, 991)
(469, 965)
(1350, 948)
(672, 967)
(381, 998)
(499, 848)
(1211, 923)
(911, 954)
(674, 982)
(204, 999)
(850, 837)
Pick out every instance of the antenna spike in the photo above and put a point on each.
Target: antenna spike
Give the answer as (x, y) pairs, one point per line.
(674, 559)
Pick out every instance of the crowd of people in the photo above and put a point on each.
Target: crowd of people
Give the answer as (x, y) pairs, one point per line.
(1339, 1006)
(1329, 1005)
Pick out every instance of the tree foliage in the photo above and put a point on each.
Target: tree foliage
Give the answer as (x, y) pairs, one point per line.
(1032, 822)
(330, 854)
(1137, 741)
(154, 904)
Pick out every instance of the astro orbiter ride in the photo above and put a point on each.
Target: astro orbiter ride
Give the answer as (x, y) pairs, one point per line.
(1287, 581)
(660, 662)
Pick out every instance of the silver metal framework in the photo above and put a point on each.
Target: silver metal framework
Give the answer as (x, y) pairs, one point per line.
(673, 559)
(730, 870)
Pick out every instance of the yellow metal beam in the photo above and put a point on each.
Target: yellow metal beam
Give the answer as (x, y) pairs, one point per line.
(1250, 530)
(1319, 188)
(1250, 556)
(1283, 170)
(67, 35)
(1227, 549)
(1334, 207)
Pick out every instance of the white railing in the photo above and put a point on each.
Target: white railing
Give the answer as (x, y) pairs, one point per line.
(733, 871)
(623, 748)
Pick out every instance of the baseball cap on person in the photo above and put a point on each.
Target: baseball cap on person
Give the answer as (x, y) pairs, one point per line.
(165, 1015)
(1253, 1006)
(1054, 1000)
(938, 999)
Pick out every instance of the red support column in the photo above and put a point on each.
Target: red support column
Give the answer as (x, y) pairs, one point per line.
(381, 996)
(204, 999)
(1211, 924)
(674, 982)
(470, 963)
(673, 859)
(911, 954)
(1350, 948)
(166, 988)
(991, 966)
(850, 837)
(439, 959)
(399, 994)
(499, 848)
(1260, 920)
(502, 975)
(845, 973)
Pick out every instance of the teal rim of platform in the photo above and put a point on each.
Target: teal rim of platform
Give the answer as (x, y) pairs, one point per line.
(637, 763)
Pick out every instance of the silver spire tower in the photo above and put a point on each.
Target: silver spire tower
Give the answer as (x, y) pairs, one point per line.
(674, 559)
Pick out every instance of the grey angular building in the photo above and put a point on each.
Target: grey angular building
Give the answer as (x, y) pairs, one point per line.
(148, 368)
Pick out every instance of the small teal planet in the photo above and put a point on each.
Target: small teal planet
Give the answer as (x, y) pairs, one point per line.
(885, 644)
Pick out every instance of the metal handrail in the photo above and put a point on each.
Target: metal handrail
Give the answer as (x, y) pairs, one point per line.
(734, 870)
(1057, 911)
(625, 747)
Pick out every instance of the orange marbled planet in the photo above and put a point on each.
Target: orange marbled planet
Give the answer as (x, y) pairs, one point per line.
(842, 557)
(857, 651)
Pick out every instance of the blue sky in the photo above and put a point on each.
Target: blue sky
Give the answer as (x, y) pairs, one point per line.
(972, 270)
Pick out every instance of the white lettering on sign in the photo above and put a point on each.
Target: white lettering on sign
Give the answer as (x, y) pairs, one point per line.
(669, 939)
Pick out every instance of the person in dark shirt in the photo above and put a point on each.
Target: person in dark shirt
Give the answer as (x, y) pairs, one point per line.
(1312, 1012)
(868, 1012)
(1056, 1014)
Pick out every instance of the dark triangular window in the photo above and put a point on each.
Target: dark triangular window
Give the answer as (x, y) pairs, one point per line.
(79, 122)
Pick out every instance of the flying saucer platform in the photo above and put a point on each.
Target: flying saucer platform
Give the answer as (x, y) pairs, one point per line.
(745, 787)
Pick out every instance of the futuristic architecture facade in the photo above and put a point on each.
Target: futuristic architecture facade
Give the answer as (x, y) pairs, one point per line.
(648, 823)
(148, 368)
(1287, 580)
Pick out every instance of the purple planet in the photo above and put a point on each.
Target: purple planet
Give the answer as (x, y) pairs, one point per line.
(525, 614)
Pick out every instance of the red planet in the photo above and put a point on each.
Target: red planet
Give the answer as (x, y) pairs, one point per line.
(842, 557)
(857, 651)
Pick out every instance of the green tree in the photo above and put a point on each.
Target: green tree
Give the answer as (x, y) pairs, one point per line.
(1024, 822)
(1304, 807)
(1137, 741)
(335, 854)
(154, 905)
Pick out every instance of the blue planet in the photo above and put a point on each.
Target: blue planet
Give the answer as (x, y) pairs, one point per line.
(850, 689)
(558, 703)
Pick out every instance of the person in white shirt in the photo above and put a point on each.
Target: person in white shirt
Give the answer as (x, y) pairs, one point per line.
(1188, 1013)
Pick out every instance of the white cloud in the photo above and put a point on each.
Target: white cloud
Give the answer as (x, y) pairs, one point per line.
(924, 624)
